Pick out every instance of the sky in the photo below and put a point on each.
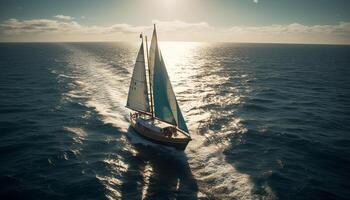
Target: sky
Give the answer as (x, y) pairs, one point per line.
(263, 21)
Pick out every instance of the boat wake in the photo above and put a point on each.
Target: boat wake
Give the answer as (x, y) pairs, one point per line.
(216, 177)
(101, 86)
(96, 85)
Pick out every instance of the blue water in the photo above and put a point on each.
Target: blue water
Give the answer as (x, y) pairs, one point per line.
(268, 121)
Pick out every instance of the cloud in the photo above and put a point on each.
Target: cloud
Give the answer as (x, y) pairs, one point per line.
(14, 26)
(180, 25)
(293, 33)
(256, 1)
(70, 30)
(125, 28)
(64, 17)
(342, 28)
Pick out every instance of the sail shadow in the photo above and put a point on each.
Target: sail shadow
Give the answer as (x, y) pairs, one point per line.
(158, 173)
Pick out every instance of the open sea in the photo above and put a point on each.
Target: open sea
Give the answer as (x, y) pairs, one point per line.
(268, 121)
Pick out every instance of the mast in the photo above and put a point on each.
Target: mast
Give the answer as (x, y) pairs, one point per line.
(149, 80)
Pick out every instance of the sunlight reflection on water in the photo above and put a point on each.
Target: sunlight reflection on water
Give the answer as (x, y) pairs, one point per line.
(197, 77)
(198, 84)
(268, 121)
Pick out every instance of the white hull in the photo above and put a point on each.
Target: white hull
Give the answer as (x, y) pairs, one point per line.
(156, 131)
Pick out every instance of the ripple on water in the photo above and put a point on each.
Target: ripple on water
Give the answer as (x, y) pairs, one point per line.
(266, 124)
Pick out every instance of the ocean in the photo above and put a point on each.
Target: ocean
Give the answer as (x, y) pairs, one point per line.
(268, 121)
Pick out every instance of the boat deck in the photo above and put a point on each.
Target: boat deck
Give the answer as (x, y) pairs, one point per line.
(158, 126)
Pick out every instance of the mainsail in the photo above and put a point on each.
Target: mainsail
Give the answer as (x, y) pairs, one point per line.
(138, 94)
(165, 104)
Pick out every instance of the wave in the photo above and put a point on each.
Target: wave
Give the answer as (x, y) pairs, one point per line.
(99, 85)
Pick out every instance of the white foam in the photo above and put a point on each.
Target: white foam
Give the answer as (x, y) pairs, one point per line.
(95, 84)
(80, 134)
(215, 177)
(105, 91)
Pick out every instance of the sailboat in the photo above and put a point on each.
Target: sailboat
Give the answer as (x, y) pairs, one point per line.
(156, 113)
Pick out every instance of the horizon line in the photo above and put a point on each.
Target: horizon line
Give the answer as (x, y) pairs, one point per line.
(209, 42)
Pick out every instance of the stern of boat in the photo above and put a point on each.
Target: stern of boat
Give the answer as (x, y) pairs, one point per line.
(179, 142)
